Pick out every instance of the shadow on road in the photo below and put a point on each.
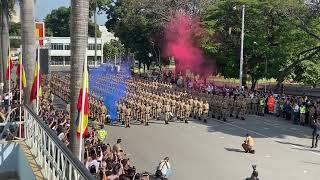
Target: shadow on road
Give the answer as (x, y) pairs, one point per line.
(299, 145)
(234, 150)
(258, 127)
(311, 163)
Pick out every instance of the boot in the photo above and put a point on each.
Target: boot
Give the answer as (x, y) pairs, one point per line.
(252, 151)
(224, 119)
(231, 115)
(219, 118)
(205, 120)
(237, 117)
(166, 122)
(147, 123)
(213, 116)
(242, 118)
(122, 122)
(186, 121)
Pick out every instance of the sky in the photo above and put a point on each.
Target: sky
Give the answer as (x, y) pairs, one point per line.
(44, 7)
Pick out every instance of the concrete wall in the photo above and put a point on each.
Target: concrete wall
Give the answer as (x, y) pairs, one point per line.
(13, 159)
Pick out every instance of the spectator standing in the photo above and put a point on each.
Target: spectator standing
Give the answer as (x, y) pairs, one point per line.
(303, 114)
(296, 109)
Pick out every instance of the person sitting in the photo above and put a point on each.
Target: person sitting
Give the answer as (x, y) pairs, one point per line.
(164, 169)
(248, 144)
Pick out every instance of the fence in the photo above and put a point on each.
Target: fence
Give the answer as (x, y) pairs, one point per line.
(57, 162)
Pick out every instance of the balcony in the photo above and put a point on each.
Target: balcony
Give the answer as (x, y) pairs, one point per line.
(39, 154)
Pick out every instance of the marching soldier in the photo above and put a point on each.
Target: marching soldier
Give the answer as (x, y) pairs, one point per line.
(231, 105)
(187, 112)
(128, 117)
(224, 108)
(205, 111)
(147, 116)
(167, 112)
(200, 109)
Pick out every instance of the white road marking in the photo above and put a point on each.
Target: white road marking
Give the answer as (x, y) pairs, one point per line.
(267, 156)
(305, 171)
(222, 137)
(266, 128)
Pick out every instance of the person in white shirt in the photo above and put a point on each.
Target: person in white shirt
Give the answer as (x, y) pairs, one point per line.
(165, 168)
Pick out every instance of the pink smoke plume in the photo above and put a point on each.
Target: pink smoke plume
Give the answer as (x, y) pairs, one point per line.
(181, 35)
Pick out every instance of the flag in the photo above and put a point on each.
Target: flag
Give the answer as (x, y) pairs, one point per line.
(20, 66)
(82, 128)
(9, 67)
(34, 90)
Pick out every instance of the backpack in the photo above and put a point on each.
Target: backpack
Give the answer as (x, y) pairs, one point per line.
(93, 169)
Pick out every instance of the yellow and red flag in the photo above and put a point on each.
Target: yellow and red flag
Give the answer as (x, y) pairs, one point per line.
(9, 67)
(34, 90)
(23, 75)
(83, 106)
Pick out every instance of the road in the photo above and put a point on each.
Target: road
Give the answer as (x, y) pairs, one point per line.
(213, 151)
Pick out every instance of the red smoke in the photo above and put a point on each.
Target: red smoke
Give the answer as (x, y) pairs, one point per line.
(181, 35)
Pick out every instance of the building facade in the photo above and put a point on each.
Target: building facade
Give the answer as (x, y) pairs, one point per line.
(59, 51)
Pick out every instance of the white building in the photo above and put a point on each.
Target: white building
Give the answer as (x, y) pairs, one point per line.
(59, 50)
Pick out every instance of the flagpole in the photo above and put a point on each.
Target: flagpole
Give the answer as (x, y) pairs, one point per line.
(38, 78)
(9, 88)
(20, 93)
(82, 104)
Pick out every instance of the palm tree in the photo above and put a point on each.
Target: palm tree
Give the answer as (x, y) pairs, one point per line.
(79, 41)
(4, 28)
(28, 40)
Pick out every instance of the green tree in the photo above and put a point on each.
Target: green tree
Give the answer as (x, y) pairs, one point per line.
(58, 23)
(270, 39)
(310, 73)
(112, 49)
(15, 30)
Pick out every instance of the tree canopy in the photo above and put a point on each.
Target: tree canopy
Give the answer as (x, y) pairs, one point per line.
(113, 49)
(58, 23)
(282, 37)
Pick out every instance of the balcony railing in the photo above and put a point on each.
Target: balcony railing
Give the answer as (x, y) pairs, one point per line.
(56, 160)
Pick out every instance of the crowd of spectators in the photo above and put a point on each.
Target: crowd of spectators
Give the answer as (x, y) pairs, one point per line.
(101, 160)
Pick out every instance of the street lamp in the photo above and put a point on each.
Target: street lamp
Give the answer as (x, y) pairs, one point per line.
(242, 40)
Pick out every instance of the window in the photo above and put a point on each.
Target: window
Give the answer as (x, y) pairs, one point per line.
(67, 60)
(67, 47)
(56, 46)
(56, 60)
(91, 47)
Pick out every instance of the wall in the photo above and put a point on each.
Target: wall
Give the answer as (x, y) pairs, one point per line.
(13, 159)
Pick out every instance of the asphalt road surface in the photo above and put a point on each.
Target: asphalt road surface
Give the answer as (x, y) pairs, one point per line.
(213, 151)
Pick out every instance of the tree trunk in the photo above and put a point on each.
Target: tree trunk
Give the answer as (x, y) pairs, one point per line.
(79, 42)
(4, 41)
(28, 40)
(253, 83)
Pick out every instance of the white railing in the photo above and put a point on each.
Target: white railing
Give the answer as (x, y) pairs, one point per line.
(57, 162)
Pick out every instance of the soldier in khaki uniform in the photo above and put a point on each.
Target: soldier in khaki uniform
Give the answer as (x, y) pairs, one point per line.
(224, 108)
(128, 116)
(243, 110)
(237, 106)
(167, 112)
(148, 113)
(200, 109)
(159, 109)
(255, 105)
(231, 105)
(205, 111)
(187, 111)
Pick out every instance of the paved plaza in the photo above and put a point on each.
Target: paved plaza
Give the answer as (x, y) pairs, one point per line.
(213, 151)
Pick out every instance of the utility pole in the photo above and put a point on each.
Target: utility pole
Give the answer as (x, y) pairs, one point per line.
(242, 40)
(95, 33)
